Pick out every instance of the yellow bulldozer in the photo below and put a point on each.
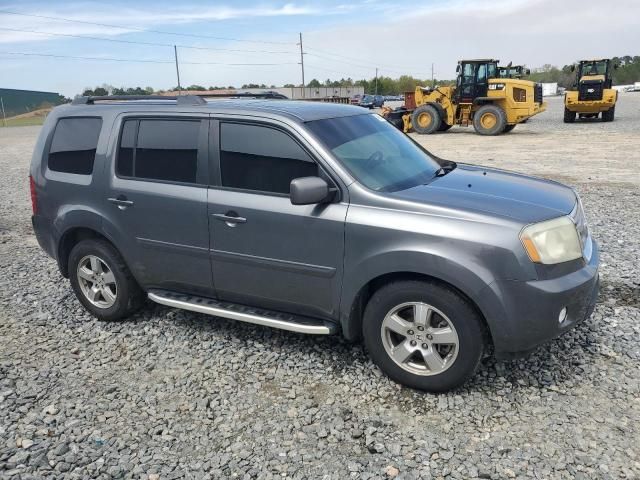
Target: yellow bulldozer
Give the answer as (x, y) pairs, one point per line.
(592, 93)
(493, 105)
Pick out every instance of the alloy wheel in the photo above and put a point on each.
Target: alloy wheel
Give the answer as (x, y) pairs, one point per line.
(420, 338)
(97, 281)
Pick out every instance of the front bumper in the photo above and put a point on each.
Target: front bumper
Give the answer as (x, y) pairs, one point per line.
(531, 309)
(608, 101)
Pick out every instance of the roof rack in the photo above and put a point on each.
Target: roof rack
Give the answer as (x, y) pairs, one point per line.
(179, 99)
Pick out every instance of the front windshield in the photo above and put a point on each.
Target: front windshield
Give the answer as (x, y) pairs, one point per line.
(376, 153)
(594, 68)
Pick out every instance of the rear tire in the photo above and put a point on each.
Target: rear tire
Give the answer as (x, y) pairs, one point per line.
(609, 115)
(448, 346)
(425, 119)
(508, 128)
(569, 116)
(489, 120)
(102, 281)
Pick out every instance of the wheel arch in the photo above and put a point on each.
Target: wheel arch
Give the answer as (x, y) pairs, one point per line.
(69, 239)
(351, 319)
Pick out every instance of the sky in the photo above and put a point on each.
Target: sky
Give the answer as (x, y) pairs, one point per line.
(228, 42)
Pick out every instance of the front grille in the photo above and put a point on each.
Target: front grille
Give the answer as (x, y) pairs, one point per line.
(590, 90)
(537, 93)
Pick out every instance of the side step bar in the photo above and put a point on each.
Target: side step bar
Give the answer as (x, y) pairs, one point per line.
(269, 318)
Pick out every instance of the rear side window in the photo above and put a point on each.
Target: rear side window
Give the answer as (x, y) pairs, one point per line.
(74, 143)
(159, 150)
(264, 159)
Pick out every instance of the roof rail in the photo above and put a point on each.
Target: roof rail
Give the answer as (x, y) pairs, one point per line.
(179, 99)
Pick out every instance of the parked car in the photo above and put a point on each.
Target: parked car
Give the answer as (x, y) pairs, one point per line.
(366, 101)
(378, 101)
(310, 217)
(355, 100)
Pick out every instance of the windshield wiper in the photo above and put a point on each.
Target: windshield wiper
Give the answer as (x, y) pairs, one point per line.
(442, 171)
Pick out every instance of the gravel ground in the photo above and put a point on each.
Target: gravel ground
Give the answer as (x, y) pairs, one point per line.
(172, 394)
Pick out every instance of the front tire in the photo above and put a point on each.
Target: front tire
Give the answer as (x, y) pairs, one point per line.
(423, 335)
(489, 120)
(569, 116)
(444, 126)
(102, 281)
(425, 119)
(609, 115)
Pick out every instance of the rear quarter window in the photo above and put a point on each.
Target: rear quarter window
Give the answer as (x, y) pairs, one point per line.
(73, 146)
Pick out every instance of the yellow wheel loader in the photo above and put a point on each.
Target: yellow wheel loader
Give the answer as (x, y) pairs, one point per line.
(513, 71)
(493, 105)
(592, 93)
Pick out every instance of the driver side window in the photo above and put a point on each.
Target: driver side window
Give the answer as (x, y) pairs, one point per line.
(261, 158)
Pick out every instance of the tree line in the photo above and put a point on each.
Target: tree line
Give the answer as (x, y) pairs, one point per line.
(628, 72)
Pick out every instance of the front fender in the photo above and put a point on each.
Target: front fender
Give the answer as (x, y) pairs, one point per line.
(470, 280)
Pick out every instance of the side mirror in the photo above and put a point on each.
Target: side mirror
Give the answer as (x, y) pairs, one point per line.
(573, 68)
(527, 71)
(308, 191)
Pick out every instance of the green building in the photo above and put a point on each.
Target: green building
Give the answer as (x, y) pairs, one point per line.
(23, 101)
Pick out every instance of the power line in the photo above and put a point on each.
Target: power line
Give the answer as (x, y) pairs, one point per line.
(370, 66)
(138, 29)
(154, 44)
(130, 60)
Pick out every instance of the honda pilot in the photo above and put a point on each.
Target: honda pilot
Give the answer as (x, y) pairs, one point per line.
(316, 218)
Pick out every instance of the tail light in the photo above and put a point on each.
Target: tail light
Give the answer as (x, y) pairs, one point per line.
(34, 197)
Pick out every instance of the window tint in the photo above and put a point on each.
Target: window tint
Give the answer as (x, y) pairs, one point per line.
(127, 144)
(73, 147)
(159, 150)
(261, 158)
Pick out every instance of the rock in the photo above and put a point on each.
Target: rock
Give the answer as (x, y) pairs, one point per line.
(391, 471)
(50, 410)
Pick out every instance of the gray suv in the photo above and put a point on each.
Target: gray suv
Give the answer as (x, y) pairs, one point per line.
(310, 217)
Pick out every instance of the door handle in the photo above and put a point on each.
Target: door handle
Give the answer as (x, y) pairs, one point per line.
(121, 202)
(230, 220)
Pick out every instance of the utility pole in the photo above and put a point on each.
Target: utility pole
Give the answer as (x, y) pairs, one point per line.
(376, 80)
(175, 52)
(304, 85)
(433, 82)
(4, 116)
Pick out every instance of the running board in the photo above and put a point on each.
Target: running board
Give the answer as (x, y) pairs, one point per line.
(234, 311)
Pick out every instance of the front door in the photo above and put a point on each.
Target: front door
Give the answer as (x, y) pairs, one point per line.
(157, 202)
(266, 252)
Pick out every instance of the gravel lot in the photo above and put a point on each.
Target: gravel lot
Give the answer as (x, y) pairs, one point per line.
(171, 394)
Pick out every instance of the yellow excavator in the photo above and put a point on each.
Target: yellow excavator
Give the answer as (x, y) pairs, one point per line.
(592, 93)
(493, 105)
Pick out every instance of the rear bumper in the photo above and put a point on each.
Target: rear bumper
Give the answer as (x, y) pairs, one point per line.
(522, 114)
(532, 309)
(44, 234)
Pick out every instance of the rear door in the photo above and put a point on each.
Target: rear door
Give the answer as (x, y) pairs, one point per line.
(157, 201)
(275, 255)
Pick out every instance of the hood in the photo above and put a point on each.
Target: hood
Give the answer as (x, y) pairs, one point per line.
(495, 192)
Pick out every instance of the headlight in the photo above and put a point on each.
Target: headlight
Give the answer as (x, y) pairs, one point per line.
(496, 86)
(553, 241)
